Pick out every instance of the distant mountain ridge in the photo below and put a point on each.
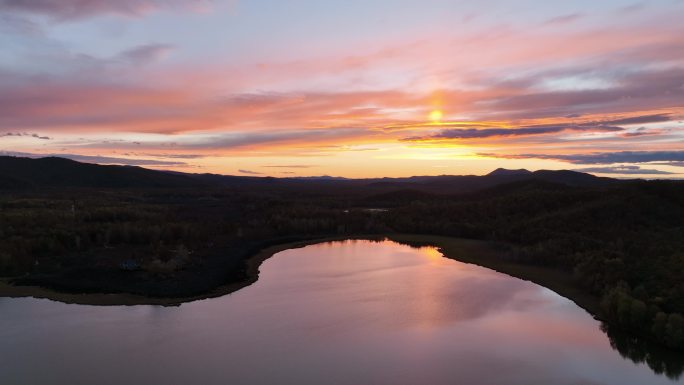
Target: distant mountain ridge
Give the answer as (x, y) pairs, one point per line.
(504, 171)
(54, 172)
(17, 172)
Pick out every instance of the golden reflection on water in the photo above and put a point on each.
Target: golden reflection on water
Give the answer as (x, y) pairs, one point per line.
(433, 254)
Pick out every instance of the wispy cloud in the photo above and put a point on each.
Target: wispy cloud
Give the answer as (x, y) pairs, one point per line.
(642, 119)
(601, 157)
(624, 170)
(290, 166)
(632, 7)
(78, 9)
(565, 19)
(611, 125)
(14, 24)
(97, 159)
(248, 139)
(25, 134)
(168, 155)
(249, 172)
(672, 164)
(476, 133)
(145, 54)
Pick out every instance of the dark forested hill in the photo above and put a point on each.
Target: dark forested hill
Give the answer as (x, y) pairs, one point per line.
(16, 172)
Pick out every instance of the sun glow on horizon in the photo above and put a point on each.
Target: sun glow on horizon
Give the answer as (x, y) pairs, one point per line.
(436, 116)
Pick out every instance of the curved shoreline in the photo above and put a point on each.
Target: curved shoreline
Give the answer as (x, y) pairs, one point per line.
(463, 250)
(8, 290)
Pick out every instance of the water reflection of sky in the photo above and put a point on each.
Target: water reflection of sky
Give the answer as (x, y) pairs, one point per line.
(352, 312)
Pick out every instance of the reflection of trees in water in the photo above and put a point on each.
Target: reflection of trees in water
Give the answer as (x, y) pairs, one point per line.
(639, 350)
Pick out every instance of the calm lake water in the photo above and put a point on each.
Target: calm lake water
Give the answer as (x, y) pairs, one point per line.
(354, 312)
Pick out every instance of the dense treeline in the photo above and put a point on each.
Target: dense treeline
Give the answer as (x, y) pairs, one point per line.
(625, 244)
(161, 243)
(622, 242)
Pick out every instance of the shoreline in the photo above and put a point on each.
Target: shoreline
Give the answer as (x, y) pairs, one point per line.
(8, 290)
(483, 254)
(476, 252)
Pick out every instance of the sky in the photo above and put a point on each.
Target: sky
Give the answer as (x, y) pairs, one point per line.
(354, 88)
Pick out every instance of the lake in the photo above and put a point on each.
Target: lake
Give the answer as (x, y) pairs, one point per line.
(352, 312)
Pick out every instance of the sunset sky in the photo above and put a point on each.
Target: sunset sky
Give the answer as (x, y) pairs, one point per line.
(347, 88)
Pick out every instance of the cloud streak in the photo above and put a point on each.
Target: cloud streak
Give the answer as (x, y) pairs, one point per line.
(475, 133)
(602, 126)
(25, 134)
(290, 166)
(98, 159)
(565, 19)
(249, 172)
(601, 157)
(145, 54)
(79, 9)
(624, 170)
